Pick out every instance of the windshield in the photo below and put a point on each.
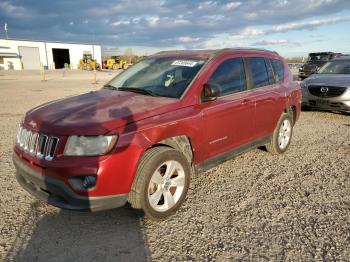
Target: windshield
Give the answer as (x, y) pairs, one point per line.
(336, 67)
(318, 57)
(162, 76)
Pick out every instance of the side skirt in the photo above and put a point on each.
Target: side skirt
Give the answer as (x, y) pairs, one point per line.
(217, 160)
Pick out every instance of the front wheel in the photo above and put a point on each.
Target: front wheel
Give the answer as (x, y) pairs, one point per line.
(282, 135)
(161, 182)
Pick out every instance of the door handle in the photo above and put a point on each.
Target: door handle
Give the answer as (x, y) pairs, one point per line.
(245, 101)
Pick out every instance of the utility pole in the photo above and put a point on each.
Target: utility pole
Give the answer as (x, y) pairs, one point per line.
(5, 27)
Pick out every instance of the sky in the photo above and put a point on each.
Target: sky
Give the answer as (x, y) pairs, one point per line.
(290, 27)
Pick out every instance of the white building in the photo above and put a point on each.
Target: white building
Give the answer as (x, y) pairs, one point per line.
(31, 54)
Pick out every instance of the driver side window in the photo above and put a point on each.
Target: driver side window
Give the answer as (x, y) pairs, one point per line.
(230, 76)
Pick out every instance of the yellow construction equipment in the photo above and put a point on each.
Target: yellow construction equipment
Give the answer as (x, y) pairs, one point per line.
(88, 63)
(116, 62)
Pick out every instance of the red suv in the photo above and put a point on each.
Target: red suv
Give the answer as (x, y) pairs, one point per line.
(141, 137)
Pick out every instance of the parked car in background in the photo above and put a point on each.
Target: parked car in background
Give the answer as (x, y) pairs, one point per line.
(141, 137)
(329, 88)
(314, 62)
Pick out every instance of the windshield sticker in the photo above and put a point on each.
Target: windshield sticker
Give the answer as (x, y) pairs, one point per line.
(187, 63)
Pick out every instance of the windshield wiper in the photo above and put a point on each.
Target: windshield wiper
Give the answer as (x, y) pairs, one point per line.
(137, 90)
(108, 86)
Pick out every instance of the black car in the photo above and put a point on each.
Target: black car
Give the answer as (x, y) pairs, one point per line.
(314, 62)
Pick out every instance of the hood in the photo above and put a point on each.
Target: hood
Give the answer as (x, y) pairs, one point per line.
(95, 113)
(313, 65)
(328, 80)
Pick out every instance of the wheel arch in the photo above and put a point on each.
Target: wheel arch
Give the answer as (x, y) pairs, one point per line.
(292, 110)
(181, 143)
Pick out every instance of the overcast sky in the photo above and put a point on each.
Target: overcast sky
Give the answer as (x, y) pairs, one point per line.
(291, 27)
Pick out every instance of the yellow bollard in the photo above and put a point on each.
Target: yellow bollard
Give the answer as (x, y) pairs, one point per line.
(42, 72)
(95, 77)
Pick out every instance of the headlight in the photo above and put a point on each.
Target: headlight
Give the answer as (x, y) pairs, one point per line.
(347, 92)
(89, 145)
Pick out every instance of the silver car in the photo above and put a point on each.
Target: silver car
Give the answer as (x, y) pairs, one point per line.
(329, 88)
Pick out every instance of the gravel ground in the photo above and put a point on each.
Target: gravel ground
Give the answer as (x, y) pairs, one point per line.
(256, 207)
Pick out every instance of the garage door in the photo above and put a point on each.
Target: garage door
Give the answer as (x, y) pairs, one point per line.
(29, 57)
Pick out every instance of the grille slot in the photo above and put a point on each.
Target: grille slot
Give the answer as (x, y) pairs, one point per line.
(332, 91)
(41, 146)
(51, 148)
(33, 142)
(37, 144)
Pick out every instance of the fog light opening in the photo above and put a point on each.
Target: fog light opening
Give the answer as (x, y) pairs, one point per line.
(89, 182)
(83, 182)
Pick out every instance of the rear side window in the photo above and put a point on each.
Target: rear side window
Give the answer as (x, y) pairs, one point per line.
(259, 71)
(278, 68)
(230, 76)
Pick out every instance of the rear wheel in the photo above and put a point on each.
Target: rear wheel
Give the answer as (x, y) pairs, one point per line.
(161, 182)
(282, 135)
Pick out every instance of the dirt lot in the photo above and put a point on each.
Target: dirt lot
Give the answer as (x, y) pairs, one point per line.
(255, 207)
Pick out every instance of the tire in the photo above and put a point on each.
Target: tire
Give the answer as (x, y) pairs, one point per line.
(282, 135)
(154, 189)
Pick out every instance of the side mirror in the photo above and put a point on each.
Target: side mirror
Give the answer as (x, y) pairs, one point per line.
(211, 91)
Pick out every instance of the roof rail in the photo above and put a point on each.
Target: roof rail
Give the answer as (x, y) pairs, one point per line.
(340, 57)
(250, 49)
(215, 52)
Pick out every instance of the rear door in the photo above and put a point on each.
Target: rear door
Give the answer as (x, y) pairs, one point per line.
(228, 120)
(266, 95)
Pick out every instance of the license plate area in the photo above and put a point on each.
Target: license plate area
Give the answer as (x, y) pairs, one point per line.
(322, 102)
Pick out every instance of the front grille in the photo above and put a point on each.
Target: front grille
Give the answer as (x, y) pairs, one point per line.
(309, 68)
(37, 144)
(327, 91)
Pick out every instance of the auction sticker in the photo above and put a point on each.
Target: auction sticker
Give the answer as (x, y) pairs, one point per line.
(187, 63)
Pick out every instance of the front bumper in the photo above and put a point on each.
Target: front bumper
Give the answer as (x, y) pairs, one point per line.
(341, 103)
(55, 192)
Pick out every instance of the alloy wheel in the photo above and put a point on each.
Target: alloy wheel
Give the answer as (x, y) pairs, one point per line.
(166, 186)
(284, 134)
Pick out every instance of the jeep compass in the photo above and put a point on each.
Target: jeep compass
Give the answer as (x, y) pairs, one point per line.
(141, 137)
